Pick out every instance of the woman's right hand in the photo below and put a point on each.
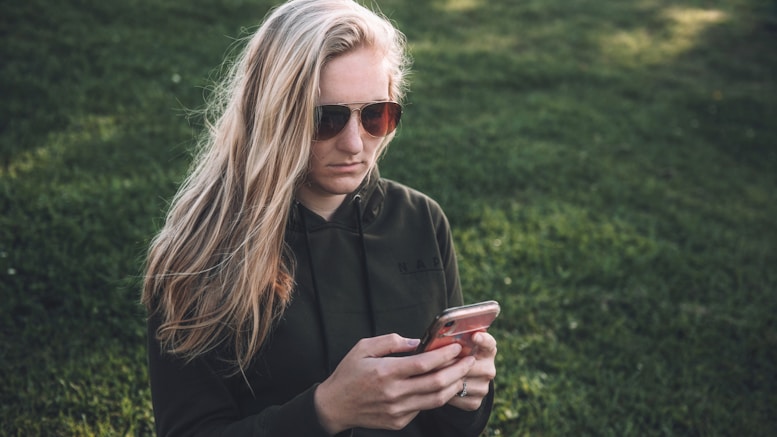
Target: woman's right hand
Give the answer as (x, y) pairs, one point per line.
(369, 389)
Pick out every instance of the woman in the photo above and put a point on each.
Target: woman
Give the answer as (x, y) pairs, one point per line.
(289, 284)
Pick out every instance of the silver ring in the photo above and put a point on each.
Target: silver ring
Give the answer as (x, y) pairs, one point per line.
(463, 391)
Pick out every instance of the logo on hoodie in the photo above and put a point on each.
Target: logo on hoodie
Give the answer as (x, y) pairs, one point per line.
(419, 265)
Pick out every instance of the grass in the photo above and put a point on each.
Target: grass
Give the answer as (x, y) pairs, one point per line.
(608, 168)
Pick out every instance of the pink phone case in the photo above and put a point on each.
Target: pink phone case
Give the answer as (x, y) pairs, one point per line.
(458, 325)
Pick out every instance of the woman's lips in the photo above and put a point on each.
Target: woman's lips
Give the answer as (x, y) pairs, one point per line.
(346, 167)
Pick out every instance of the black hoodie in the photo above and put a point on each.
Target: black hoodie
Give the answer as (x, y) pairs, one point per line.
(385, 263)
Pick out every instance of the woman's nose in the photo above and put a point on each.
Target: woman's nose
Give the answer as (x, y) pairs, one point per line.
(350, 139)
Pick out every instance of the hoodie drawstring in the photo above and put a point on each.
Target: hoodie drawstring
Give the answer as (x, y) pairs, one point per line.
(367, 286)
(316, 294)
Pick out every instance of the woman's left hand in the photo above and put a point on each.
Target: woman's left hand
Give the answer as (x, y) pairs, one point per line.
(480, 375)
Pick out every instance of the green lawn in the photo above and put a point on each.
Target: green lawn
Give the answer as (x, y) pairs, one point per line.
(609, 168)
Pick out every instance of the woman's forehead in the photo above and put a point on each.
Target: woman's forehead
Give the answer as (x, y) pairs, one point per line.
(356, 76)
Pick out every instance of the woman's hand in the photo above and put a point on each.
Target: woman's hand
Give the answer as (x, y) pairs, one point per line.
(369, 389)
(480, 374)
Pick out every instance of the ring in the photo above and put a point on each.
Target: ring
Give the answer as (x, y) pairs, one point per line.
(463, 391)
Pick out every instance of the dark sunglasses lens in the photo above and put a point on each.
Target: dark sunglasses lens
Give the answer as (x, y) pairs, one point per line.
(330, 120)
(380, 119)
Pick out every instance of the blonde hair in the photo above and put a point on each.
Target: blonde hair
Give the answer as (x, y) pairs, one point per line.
(217, 273)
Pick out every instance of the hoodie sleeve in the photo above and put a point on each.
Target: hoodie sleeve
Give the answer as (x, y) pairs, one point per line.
(191, 399)
(451, 421)
(448, 254)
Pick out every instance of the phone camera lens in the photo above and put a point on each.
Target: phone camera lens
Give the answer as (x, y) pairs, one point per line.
(449, 324)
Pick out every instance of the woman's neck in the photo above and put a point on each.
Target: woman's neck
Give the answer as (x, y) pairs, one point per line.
(323, 206)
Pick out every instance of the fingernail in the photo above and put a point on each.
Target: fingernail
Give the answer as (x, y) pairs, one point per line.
(413, 342)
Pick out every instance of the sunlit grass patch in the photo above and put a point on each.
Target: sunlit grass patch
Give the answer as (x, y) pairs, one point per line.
(459, 5)
(682, 28)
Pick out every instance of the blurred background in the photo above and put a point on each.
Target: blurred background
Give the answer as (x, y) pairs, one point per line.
(608, 167)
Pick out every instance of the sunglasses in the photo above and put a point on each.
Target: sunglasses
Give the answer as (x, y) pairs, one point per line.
(377, 118)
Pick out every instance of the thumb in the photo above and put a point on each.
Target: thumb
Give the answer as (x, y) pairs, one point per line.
(387, 344)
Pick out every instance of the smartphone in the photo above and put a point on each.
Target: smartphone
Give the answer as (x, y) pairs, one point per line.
(458, 325)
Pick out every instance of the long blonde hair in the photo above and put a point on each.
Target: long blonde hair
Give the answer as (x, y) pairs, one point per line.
(217, 274)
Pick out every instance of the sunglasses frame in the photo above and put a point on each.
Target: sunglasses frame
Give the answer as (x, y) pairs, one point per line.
(359, 109)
